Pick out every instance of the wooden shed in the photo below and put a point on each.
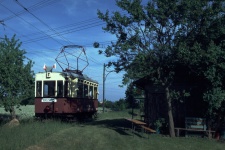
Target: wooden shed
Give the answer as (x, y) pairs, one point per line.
(155, 105)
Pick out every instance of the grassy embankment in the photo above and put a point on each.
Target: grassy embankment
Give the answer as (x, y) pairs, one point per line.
(107, 132)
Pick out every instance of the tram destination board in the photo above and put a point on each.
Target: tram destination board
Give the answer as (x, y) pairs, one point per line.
(49, 100)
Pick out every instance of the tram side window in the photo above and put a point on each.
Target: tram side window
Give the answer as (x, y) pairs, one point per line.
(95, 92)
(66, 89)
(91, 92)
(49, 88)
(59, 88)
(80, 90)
(38, 89)
(85, 90)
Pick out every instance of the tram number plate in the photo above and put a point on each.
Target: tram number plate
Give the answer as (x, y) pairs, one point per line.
(49, 100)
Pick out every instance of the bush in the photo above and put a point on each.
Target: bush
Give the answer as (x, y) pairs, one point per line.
(120, 105)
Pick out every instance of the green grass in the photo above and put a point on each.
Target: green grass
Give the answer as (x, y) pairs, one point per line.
(28, 133)
(109, 132)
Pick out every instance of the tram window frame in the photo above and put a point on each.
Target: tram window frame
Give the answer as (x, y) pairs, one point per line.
(38, 88)
(95, 92)
(91, 91)
(49, 88)
(86, 91)
(66, 90)
(59, 88)
(80, 90)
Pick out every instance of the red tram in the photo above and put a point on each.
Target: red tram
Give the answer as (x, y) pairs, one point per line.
(69, 93)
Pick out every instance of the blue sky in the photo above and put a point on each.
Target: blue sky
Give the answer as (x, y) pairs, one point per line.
(50, 24)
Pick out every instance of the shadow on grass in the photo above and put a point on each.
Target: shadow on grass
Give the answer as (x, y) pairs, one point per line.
(121, 126)
(4, 118)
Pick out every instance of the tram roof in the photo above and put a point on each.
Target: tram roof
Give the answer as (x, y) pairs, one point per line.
(81, 76)
(73, 75)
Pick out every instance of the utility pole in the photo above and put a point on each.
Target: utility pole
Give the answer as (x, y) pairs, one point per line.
(104, 78)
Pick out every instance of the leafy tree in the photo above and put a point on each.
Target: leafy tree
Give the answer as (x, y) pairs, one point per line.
(16, 77)
(133, 94)
(202, 50)
(156, 38)
(109, 104)
(120, 104)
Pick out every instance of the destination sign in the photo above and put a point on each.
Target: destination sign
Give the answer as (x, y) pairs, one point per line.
(49, 100)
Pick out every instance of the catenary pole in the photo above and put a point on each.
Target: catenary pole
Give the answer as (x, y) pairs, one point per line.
(103, 92)
(104, 78)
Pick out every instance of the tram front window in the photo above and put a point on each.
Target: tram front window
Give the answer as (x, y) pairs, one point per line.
(49, 88)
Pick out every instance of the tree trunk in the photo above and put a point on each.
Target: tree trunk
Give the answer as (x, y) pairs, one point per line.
(12, 112)
(209, 124)
(170, 113)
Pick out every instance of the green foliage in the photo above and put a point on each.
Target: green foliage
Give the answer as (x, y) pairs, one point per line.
(203, 52)
(133, 94)
(117, 105)
(154, 39)
(16, 77)
(179, 95)
(215, 97)
(130, 96)
(96, 45)
(109, 104)
(159, 123)
(120, 105)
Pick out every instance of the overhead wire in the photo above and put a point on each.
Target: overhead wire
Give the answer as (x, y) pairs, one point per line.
(31, 24)
(77, 23)
(51, 29)
(74, 30)
(66, 26)
(67, 31)
(42, 21)
(26, 36)
(37, 53)
(34, 7)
